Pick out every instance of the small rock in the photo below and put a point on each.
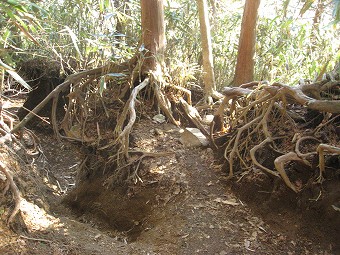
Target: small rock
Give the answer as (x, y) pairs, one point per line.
(97, 236)
(160, 118)
(207, 119)
(158, 131)
(193, 137)
(177, 190)
(209, 184)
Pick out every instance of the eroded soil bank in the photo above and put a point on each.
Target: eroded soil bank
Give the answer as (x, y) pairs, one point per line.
(180, 204)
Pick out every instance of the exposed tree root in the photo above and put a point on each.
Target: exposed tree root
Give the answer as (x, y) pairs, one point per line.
(254, 159)
(322, 149)
(134, 176)
(103, 118)
(75, 80)
(332, 106)
(15, 191)
(262, 123)
(7, 140)
(122, 134)
(193, 116)
(164, 104)
(279, 165)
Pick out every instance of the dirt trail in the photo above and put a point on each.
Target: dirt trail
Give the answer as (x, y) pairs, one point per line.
(207, 218)
(181, 204)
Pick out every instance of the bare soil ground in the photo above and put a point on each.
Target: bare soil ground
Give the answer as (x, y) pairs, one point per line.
(179, 204)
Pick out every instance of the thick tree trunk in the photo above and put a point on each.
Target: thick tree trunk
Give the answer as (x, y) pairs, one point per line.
(208, 66)
(153, 34)
(246, 49)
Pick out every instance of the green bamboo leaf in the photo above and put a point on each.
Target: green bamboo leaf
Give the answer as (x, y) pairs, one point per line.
(24, 29)
(37, 7)
(32, 28)
(9, 13)
(5, 66)
(74, 40)
(14, 74)
(109, 15)
(115, 74)
(12, 2)
(101, 6)
(22, 23)
(285, 6)
(17, 77)
(6, 34)
(102, 85)
(123, 16)
(32, 19)
(306, 6)
(17, 5)
(336, 12)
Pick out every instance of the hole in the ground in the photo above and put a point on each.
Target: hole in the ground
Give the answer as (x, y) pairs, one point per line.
(309, 213)
(112, 209)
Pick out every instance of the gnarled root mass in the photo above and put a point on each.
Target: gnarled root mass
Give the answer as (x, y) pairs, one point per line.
(103, 105)
(6, 143)
(270, 126)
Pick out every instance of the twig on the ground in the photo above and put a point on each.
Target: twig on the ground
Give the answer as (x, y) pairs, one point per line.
(36, 239)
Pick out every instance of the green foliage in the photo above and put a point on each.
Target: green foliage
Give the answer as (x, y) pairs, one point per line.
(88, 31)
(226, 27)
(18, 23)
(183, 42)
(296, 48)
(289, 46)
(336, 12)
(92, 31)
